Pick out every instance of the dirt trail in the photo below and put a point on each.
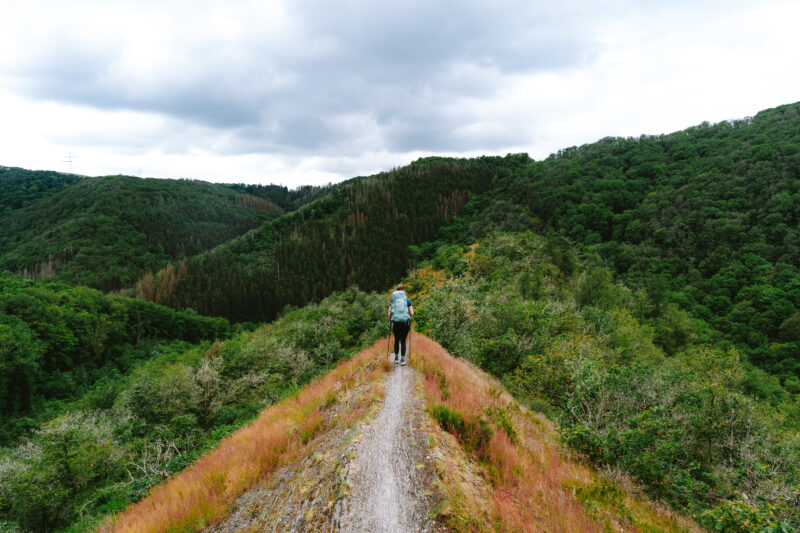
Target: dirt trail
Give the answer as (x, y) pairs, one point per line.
(373, 478)
(387, 475)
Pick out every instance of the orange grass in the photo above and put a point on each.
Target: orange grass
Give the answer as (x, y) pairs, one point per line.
(206, 491)
(533, 480)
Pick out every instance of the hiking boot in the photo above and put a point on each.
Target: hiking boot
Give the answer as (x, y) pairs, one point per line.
(403, 361)
(395, 358)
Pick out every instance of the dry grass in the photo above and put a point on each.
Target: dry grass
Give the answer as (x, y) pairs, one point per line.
(535, 485)
(206, 492)
(521, 484)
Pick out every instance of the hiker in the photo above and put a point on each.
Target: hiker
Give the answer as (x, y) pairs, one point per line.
(400, 312)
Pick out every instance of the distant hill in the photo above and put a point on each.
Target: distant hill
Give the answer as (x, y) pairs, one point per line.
(706, 219)
(20, 187)
(359, 233)
(106, 232)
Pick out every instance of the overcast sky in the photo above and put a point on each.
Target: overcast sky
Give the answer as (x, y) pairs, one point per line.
(308, 92)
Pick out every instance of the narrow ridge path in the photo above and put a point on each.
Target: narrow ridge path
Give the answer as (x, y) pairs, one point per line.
(387, 477)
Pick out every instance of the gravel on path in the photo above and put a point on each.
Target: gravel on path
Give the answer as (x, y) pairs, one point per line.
(388, 477)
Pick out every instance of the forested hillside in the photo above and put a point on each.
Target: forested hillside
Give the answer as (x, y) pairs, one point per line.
(19, 187)
(358, 234)
(106, 232)
(114, 395)
(706, 219)
(57, 342)
(280, 195)
(697, 425)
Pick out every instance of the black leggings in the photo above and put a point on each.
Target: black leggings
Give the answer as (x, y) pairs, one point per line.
(401, 330)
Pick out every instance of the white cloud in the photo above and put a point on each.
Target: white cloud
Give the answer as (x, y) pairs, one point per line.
(301, 91)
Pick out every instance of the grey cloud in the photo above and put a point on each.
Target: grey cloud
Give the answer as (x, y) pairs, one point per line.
(396, 64)
(418, 36)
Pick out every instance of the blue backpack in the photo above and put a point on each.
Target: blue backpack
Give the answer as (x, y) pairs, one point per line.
(399, 307)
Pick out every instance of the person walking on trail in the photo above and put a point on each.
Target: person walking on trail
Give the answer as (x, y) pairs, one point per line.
(400, 312)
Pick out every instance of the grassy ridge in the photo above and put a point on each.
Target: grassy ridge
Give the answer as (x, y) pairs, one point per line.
(533, 484)
(206, 492)
(526, 470)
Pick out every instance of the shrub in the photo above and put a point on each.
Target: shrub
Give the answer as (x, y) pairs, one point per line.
(158, 395)
(473, 433)
(77, 454)
(737, 516)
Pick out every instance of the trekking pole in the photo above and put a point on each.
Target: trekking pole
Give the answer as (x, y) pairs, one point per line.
(388, 339)
(408, 347)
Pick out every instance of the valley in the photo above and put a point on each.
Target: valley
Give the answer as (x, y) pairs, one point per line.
(626, 314)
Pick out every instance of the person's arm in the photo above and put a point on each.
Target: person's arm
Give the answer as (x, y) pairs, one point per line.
(411, 310)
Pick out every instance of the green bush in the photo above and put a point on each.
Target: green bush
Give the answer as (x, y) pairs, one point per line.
(737, 516)
(473, 433)
(73, 457)
(158, 395)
